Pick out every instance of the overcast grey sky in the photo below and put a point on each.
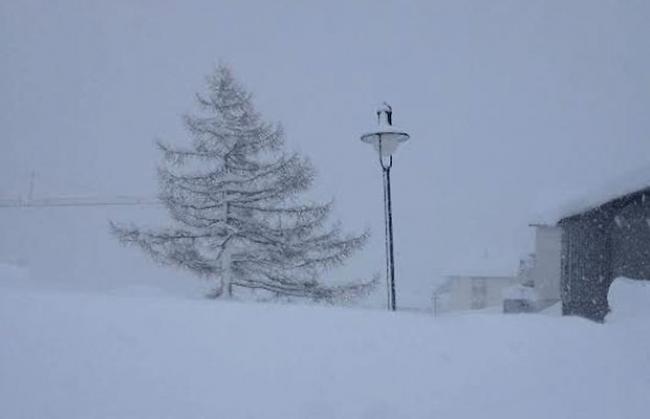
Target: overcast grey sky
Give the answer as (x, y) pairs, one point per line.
(504, 100)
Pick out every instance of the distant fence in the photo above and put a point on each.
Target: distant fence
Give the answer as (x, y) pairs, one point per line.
(79, 202)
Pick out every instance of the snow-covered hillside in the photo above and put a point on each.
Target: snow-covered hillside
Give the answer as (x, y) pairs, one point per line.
(85, 355)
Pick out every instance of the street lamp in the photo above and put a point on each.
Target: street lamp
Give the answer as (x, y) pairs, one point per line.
(385, 138)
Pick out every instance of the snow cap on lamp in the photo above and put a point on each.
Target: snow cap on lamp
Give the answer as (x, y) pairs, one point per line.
(386, 137)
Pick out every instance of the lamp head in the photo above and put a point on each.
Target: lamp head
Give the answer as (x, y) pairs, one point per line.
(385, 137)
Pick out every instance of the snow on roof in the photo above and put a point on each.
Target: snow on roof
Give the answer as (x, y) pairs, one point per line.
(629, 183)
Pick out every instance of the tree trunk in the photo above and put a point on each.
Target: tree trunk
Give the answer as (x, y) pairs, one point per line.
(226, 276)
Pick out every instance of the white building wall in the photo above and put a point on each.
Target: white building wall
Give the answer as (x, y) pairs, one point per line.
(546, 272)
(462, 293)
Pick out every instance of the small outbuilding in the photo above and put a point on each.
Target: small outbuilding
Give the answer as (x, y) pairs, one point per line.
(604, 237)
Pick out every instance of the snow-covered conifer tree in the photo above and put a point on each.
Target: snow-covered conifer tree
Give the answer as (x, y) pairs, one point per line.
(234, 198)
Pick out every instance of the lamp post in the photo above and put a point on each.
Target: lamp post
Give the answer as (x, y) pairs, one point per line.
(385, 138)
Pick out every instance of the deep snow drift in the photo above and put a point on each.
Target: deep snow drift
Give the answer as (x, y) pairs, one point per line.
(85, 355)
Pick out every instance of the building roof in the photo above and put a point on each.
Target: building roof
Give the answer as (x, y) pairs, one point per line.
(628, 184)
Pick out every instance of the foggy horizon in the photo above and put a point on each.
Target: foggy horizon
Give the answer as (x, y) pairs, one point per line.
(510, 107)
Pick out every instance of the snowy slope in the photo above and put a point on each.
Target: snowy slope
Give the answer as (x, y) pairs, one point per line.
(84, 355)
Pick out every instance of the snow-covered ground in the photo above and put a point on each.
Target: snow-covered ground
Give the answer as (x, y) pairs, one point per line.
(66, 354)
